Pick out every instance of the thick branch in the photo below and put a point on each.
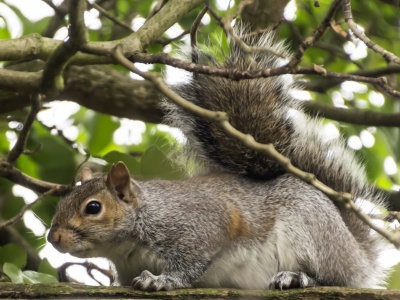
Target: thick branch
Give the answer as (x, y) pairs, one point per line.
(352, 116)
(52, 81)
(22, 82)
(263, 13)
(34, 46)
(102, 89)
(74, 291)
(108, 91)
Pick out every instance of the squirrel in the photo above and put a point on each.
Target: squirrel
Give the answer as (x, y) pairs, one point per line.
(241, 222)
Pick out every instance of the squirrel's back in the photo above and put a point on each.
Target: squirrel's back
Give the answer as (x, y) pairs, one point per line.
(266, 109)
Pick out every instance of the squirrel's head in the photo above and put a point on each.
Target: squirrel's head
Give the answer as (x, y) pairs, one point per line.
(86, 222)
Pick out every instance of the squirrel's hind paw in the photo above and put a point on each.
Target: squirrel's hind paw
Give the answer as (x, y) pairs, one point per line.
(150, 283)
(290, 280)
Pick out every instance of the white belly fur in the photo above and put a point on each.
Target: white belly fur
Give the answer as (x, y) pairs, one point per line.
(252, 266)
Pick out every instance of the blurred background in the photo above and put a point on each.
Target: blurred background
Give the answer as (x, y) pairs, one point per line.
(70, 132)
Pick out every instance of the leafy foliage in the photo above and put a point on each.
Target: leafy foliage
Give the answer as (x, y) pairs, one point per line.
(13, 259)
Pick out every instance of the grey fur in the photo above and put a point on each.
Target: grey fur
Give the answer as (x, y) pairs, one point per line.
(243, 223)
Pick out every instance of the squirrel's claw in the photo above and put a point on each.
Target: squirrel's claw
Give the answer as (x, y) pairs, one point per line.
(150, 283)
(290, 280)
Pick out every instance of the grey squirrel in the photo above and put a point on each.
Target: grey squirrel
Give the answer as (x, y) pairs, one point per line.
(241, 222)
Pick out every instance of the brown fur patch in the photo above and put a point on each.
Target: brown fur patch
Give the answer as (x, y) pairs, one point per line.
(237, 226)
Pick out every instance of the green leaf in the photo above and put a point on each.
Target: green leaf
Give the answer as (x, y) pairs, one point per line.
(155, 164)
(14, 254)
(115, 156)
(12, 207)
(13, 272)
(46, 268)
(36, 277)
(102, 128)
(56, 160)
(17, 276)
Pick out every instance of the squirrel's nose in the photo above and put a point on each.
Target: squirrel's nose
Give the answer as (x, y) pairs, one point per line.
(54, 236)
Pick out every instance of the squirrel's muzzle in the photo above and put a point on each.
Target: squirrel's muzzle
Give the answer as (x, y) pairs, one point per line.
(54, 237)
(61, 239)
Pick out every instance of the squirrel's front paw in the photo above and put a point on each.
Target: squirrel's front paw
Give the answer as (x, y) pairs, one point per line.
(290, 280)
(149, 282)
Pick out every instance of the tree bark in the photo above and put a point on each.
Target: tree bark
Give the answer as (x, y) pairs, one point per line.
(263, 13)
(100, 88)
(73, 291)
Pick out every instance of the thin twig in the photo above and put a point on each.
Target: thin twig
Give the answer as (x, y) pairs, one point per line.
(109, 16)
(235, 74)
(388, 56)
(195, 26)
(19, 148)
(7, 170)
(161, 41)
(31, 152)
(80, 165)
(156, 9)
(319, 32)
(164, 42)
(240, 7)
(25, 208)
(388, 217)
(221, 118)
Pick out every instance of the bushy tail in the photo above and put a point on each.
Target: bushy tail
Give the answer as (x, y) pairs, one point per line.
(265, 109)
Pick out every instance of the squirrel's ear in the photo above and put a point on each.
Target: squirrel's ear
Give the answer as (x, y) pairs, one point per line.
(119, 179)
(85, 175)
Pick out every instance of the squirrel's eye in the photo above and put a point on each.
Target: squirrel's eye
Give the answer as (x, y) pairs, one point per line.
(93, 208)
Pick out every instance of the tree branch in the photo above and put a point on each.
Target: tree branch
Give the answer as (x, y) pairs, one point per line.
(352, 116)
(195, 26)
(109, 16)
(8, 171)
(19, 146)
(319, 32)
(263, 13)
(102, 89)
(322, 85)
(160, 4)
(75, 291)
(388, 56)
(22, 82)
(52, 80)
(25, 208)
(34, 46)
